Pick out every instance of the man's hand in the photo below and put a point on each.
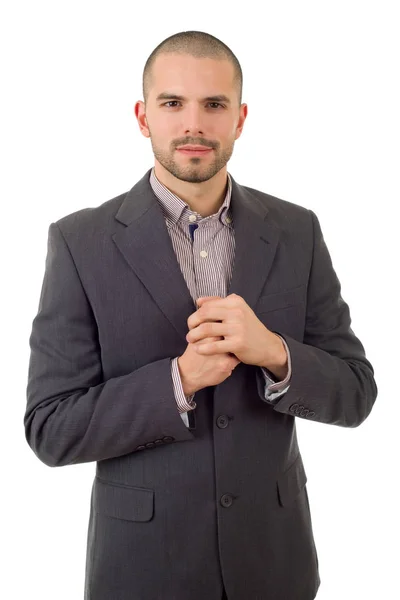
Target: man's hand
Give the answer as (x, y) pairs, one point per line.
(244, 334)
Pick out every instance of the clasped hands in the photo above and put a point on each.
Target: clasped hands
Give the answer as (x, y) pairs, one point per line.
(244, 334)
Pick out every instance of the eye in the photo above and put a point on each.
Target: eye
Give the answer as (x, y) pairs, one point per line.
(171, 101)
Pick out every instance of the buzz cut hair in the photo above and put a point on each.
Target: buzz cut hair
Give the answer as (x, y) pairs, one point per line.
(198, 44)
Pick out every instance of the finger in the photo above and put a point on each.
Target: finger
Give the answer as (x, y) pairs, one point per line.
(203, 299)
(205, 321)
(209, 312)
(205, 330)
(213, 347)
(210, 339)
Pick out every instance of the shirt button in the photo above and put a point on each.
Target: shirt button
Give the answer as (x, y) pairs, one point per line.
(203, 253)
(192, 218)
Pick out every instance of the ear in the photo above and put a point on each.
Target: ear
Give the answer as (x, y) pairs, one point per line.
(140, 113)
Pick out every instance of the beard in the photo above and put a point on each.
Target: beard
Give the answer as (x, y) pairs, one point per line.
(194, 171)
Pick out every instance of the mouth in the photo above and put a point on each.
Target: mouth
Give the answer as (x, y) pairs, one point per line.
(194, 151)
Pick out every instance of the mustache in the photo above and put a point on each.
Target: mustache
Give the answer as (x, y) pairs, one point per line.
(194, 142)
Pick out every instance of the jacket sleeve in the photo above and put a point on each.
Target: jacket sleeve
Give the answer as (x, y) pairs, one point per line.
(332, 381)
(72, 414)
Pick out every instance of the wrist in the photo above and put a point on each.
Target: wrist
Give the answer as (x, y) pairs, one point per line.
(187, 385)
(277, 359)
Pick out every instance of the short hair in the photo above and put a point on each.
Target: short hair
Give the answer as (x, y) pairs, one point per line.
(194, 43)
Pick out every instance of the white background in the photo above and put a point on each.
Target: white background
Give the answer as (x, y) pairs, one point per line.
(321, 84)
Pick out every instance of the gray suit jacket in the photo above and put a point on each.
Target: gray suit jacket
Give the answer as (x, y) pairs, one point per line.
(175, 512)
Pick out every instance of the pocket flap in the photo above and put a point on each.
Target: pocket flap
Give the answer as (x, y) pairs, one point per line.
(123, 501)
(281, 300)
(291, 482)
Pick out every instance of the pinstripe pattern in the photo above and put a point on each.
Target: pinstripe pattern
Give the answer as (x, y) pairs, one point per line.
(206, 264)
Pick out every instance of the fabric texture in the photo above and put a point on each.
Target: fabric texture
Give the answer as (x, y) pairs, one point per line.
(178, 513)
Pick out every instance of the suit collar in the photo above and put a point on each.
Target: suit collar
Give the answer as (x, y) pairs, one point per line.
(145, 244)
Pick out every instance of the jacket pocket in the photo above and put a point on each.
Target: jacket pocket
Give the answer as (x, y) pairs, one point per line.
(123, 501)
(281, 300)
(291, 482)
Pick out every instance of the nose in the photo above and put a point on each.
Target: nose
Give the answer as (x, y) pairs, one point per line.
(192, 121)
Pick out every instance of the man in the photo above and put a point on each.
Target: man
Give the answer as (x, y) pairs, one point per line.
(190, 410)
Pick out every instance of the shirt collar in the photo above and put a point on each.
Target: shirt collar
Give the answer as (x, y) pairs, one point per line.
(177, 210)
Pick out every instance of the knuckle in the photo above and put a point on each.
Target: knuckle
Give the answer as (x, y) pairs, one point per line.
(207, 328)
(226, 365)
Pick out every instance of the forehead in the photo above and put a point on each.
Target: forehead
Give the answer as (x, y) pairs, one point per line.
(183, 72)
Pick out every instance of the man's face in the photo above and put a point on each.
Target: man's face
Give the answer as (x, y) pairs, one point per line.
(192, 119)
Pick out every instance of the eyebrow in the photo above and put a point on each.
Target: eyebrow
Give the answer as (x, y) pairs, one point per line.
(218, 98)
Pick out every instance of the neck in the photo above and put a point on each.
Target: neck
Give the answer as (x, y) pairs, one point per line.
(204, 198)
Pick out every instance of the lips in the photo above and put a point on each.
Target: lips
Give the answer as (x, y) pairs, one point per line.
(196, 150)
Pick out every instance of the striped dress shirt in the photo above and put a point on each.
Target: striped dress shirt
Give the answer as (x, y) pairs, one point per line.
(205, 250)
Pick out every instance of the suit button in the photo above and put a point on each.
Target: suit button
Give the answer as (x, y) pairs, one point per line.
(168, 438)
(141, 448)
(226, 500)
(158, 442)
(222, 421)
(304, 412)
(150, 445)
(311, 414)
(294, 407)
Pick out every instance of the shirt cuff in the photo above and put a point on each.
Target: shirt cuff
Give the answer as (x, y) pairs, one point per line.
(184, 403)
(274, 388)
(185, 418)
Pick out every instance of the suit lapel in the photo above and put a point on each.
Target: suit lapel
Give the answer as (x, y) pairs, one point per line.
(147, 248)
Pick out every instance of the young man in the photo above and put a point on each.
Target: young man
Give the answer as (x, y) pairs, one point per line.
(183, 326)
